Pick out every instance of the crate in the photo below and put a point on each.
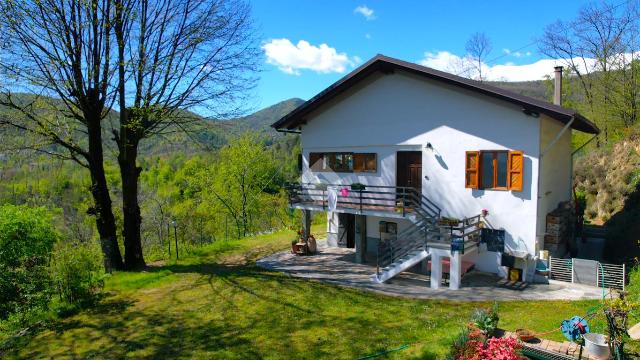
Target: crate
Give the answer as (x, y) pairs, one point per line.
(554, 239)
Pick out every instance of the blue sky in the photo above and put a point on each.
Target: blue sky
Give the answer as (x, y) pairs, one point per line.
(308, 45)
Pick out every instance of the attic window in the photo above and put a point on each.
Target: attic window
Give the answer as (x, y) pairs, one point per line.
(343, 162)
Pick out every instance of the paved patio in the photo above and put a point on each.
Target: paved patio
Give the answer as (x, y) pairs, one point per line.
(337, 266)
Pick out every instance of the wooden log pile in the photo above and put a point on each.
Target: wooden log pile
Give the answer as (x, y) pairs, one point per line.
(559, 230)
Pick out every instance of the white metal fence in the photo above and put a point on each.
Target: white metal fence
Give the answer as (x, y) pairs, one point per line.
(588, 272)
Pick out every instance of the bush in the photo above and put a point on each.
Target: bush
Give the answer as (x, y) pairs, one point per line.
(27, 237)
(76, 271)
(486, 319)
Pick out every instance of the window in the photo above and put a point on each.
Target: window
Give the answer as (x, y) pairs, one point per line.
(494, 169)
(365, 162)
(343, 162)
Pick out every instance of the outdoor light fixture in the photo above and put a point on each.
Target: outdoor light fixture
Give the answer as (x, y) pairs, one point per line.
(530, 113)
(174, 223)
(429, 146)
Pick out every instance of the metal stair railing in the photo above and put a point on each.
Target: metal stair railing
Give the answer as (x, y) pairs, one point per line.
(424, 230)
(415, 237)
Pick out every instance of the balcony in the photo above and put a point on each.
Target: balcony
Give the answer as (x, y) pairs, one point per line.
(376, 200)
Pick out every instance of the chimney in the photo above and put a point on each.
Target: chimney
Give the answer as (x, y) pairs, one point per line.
(557, 86)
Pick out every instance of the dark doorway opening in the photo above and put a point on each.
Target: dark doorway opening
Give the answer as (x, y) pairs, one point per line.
(409, 169)
(348, 230)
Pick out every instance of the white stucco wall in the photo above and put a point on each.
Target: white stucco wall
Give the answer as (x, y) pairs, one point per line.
(555, 171)
(389, 113)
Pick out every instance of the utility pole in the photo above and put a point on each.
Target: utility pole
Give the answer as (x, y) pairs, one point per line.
(175, 234)
(169, 238)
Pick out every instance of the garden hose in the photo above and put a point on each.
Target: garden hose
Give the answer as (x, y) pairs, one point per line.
(384, 352)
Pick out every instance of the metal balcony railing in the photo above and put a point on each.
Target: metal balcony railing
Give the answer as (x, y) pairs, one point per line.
(398, 199)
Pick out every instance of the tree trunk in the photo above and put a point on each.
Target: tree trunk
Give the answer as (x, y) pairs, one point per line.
(105, 221)
(130, 173)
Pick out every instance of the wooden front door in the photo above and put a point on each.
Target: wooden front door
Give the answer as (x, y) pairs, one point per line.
(409, 169)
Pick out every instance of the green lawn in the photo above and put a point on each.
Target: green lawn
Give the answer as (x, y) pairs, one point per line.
(218, 304)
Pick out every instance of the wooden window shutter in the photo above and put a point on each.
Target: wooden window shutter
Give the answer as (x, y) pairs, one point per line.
(472, 165)
(515, 173)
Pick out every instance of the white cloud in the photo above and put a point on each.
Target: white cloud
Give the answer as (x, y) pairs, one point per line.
(452, 63)
(292, 58)
(363, 10)
(517, 54)
(367, 36)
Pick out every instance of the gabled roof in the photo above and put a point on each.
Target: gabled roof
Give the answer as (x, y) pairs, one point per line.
(387, 64)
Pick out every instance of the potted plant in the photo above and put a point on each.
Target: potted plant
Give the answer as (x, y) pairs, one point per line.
(486, 320)
(399, 205)
(447, 221)
(358, 187)
(311, 244)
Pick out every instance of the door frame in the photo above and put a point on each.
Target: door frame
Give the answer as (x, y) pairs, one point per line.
(409, 160)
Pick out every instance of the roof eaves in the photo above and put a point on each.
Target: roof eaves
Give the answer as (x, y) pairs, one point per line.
(294, 118)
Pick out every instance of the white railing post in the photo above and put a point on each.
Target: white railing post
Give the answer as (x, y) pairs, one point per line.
(572, 272)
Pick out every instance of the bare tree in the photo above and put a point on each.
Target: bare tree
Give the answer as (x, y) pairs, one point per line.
(478, 48)
(179, 55)
(61, 53)
(600, 48)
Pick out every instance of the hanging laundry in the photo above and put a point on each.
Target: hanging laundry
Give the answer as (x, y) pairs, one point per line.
(344, 192)
(332, 198)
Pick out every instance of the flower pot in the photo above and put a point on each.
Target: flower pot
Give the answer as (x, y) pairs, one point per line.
(358, 186)
(596, 345)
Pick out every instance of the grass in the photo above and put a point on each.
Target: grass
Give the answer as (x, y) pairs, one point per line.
(217, 304)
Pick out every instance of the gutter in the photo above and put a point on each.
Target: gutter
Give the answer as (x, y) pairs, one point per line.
(289, 131)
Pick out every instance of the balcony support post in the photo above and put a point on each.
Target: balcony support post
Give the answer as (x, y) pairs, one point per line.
(361, 238)
(436, 270)
(306, 225)
(455, 270)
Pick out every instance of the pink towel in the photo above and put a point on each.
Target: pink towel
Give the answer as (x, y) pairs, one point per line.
(344, 192)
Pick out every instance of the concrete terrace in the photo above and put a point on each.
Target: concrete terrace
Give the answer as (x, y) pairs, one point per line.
(337, 266)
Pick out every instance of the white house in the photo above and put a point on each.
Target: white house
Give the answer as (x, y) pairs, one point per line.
(432, 151)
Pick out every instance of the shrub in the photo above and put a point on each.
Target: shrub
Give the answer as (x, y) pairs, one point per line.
(76, 271)
(486, 319)
(27, 237)
(465, 344)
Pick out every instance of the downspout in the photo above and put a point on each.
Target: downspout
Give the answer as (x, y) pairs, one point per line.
(550, 145)
(583, 145)
(558, 136)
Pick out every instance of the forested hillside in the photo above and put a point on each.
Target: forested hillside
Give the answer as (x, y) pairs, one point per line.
(175, 168)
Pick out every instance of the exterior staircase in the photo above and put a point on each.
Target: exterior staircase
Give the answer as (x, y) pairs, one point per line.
(412, 245)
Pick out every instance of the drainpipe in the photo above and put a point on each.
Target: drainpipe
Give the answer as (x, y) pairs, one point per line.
(558, 136)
